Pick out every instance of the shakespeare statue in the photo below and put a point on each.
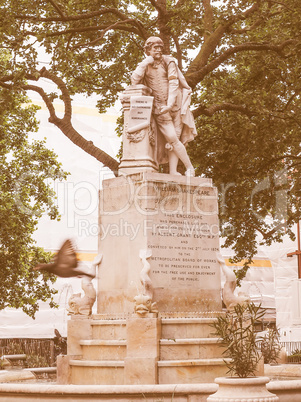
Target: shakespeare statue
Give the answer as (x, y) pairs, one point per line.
(171, 99)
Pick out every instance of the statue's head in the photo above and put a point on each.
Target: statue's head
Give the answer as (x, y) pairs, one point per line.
(152, 40)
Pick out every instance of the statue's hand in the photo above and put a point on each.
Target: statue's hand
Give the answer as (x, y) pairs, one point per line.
(148, 60)
(165, 109)
(138, 74)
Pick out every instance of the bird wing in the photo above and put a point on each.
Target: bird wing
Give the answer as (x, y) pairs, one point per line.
(66, 257)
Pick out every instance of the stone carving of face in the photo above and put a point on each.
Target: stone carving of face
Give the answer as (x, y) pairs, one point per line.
(156, 51)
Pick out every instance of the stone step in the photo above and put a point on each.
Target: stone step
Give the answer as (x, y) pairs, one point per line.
(181, 328)
(191, 371)
(108, 329)
(91, 372)
(193, 348)
(106, 349)
(172, 328)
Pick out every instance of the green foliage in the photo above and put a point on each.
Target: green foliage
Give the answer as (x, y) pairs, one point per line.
(237, 332)
(296, 352)
(270, 346)
(242, 60)
(26, 171)
(36, 361)
(295, 356)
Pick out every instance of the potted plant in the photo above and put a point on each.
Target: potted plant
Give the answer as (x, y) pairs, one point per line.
(236, 329)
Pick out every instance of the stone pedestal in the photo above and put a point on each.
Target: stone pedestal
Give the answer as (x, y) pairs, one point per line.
(175, 217)
(140, 365)
(63, 369)
(139, 148)
(159, 241)
(79, 328)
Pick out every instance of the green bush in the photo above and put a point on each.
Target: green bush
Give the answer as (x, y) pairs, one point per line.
(237, 332)
(270, 346)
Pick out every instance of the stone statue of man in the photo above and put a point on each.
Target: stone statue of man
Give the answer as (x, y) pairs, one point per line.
(171, 112)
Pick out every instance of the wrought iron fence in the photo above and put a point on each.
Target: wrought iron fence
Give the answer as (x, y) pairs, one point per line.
(39, 352)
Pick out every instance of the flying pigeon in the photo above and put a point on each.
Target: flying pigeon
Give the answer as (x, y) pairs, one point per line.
(64, 263)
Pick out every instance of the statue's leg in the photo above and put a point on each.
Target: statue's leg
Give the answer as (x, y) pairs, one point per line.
(181, 152)
(167, 128)
(173, 163)
(172, 156)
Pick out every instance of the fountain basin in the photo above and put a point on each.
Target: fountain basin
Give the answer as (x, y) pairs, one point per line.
(287, 391)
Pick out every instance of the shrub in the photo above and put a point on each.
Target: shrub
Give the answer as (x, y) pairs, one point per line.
(270, 346)
(237, 332)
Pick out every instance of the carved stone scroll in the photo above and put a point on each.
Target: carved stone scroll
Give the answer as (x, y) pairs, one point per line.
(140, 113)
(139, 152)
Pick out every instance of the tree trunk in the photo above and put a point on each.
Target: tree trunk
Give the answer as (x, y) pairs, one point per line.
(85, 145)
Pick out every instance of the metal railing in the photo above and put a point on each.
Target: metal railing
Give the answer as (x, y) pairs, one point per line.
(291, 347)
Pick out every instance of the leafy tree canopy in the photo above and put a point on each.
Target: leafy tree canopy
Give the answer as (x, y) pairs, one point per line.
(242, 59)
(25, 168)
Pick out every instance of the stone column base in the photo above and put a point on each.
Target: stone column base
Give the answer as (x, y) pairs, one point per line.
(143, 337)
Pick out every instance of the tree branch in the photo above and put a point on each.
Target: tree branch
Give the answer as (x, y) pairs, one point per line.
(209, 111)
(85, 145)
(157, 6)
(212, 41)
(266, 235)
(290, 100)
(208, 19)
(272, 161)
(64, 90)
(179, 4)
(63, 124)
(247, 29)
(45, 98)
(282, 4)
(179, 51)
(90, 29)
(57, 7)
(68, 18)
(194, 78)
(118, 25)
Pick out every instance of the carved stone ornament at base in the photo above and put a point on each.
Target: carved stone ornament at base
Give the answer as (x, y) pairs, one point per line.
(144, 305)
(139, 135)
(79, 305)
(144, 274)
(135, 136)
(143, 301)
(229, 297)
(83, 305)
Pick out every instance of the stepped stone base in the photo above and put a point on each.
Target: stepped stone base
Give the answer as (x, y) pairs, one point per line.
(142, 351)
(159, 235)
